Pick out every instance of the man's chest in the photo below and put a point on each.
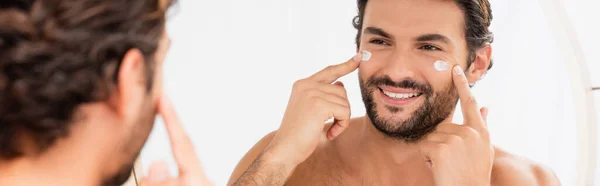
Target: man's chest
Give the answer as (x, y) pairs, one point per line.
(318, 173)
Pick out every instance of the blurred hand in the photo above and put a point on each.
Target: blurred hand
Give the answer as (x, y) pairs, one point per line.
(313, 101)
(190, 169)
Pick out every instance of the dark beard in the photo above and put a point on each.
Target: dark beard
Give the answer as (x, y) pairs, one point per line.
(436, 108)
(133, 146)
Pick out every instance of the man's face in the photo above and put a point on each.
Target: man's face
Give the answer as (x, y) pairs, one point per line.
(140, 130)
(405, 97)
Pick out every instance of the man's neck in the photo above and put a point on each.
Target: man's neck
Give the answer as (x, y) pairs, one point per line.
(376, 145)
(383, 148)
(48, 171)
(363, 150)
(79, 159)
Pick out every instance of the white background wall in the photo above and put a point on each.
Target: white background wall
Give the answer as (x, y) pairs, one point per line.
(583, 14)
(232, 64)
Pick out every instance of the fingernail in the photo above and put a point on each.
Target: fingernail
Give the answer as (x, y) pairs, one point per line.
(358, 56)
(159, 172)
(366, 56)
(458, 71)
(441, 66)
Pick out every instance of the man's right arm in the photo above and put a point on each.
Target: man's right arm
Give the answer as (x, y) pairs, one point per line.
(264, 171)
(258, 168)
(313, 101)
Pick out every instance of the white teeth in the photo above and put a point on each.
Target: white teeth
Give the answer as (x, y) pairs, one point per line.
(400, 96)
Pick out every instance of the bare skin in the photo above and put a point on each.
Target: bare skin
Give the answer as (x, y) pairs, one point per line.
(362, 155)
(346, 161)
(353, 152)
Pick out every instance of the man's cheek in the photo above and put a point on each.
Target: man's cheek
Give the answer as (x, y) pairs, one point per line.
(369, 68)
(439, 80)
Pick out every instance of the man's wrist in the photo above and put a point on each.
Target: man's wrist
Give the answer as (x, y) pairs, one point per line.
(272, 157)
(268, 169)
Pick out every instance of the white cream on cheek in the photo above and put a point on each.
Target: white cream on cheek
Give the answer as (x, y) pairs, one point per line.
(441, 65)
(366, 56)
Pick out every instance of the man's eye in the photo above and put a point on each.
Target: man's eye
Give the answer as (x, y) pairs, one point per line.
(430, 48)
(379, 42)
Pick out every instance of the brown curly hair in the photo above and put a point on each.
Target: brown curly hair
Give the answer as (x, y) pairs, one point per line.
(478, 18)
(56, 55)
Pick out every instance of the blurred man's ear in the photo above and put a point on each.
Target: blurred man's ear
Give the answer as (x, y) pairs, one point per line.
(480, 65)
(131, 85)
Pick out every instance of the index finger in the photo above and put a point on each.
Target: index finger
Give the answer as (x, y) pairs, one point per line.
(181, 145)
(470, 109)
(334, 72)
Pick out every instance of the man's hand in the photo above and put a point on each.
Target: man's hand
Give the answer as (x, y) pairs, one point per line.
(314, 100)
(190, 170)
(461, 155)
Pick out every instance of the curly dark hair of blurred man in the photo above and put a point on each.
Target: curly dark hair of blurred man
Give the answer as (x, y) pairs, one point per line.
(79, 80)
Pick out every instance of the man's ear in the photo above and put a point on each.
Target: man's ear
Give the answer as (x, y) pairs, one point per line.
(131, 85)
(479, 67)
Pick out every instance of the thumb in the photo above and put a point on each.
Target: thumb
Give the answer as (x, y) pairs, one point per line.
(338, 126)
(159, 172)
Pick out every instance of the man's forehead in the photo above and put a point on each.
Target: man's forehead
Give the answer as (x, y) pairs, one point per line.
(410, 18)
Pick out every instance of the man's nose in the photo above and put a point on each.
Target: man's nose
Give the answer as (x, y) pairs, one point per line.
(399, 66)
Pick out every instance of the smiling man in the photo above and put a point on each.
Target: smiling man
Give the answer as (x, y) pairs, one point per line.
(407, 136)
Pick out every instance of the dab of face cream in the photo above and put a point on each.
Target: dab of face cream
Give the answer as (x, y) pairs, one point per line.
(441, 66)
(366, 56)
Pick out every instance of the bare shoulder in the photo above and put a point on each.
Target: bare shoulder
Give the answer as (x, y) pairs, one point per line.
(512, 170)
(254, 152)
(250, 156)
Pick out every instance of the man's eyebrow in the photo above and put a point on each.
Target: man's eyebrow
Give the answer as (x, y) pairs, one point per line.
(378, 31)
(433, 37)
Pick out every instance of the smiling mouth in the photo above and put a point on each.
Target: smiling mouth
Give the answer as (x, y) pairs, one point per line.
(400, 96)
